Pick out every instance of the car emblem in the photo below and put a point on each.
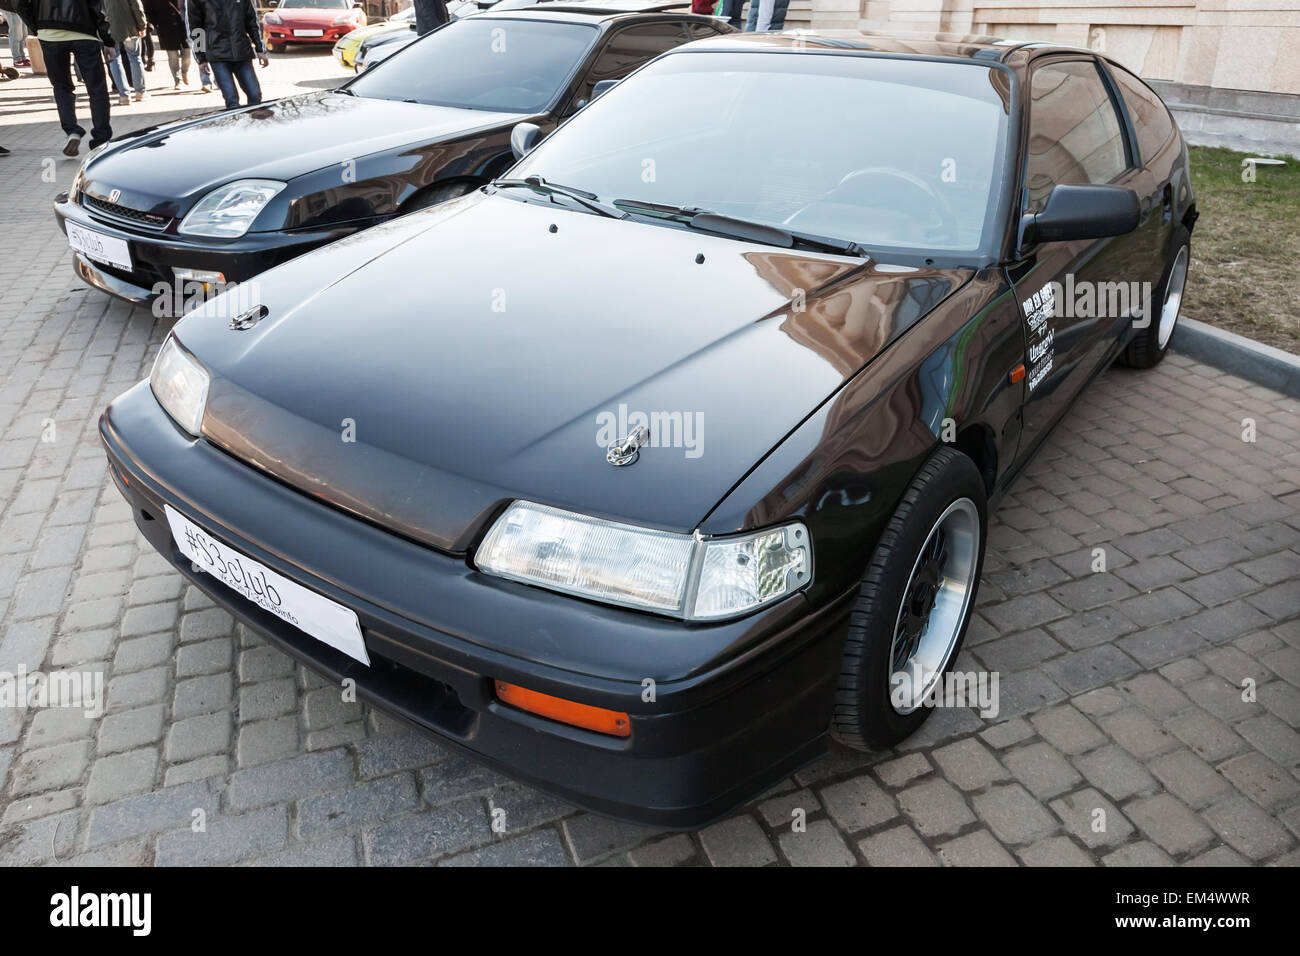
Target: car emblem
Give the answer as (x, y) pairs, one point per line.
(627, 450)
(244, 322)
(114, 196)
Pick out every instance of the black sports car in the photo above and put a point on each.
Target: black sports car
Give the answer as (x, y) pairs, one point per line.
(680, 461)
(219, 199)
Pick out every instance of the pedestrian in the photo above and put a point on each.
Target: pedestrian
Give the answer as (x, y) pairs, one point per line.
(73, 30)
(17, 36)
(732, 11)
(127, 24)
(765, 15)
(226, 36)
(205, 71)
(429, 15)
(168, 21)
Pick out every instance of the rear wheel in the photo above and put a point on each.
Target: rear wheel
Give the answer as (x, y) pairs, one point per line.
(1150, 344)
(915, 602)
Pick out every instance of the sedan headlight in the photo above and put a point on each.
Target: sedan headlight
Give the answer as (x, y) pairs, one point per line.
(272, 18)
(228, 211)
(343, 18)
(180, 384)
(681, 575)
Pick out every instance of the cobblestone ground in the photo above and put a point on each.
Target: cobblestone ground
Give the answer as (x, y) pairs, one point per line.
(1164, 691)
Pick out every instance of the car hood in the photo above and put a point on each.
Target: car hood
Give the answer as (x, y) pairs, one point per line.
(421, 373)
(167, 170)
(308, 16)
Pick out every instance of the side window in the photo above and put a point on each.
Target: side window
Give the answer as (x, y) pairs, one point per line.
(1075, 136)
(628, 48)
(700, 31)
(1154, 126)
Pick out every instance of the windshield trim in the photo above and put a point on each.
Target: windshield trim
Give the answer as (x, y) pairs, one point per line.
(549, 107)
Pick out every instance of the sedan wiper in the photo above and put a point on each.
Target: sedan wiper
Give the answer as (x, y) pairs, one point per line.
(580, 196)
(738, 228)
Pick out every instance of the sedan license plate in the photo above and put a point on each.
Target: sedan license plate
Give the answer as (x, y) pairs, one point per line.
(306, 610)
(309, 33)
(101, 248)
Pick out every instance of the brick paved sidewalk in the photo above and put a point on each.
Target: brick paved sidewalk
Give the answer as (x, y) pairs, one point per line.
(1149, 712)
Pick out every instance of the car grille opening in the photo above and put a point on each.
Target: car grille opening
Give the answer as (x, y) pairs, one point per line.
(124, 215)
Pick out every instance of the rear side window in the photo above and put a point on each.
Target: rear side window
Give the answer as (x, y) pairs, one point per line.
(700, 31)
(630, 47)
(1075, 136)
(1154, 126)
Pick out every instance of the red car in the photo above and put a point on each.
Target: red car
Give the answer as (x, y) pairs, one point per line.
(310, 21)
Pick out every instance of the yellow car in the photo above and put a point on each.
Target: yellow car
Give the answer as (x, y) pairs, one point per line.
(345, 50)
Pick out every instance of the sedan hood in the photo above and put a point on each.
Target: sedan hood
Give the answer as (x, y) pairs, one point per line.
(418, 376)
(167, 170)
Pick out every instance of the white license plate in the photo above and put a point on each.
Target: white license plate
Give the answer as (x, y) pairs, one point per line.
(306, 610)
(101, 248)
(309, 33)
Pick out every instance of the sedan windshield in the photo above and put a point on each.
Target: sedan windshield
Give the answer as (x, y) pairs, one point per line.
(509, 66)
(884, 152)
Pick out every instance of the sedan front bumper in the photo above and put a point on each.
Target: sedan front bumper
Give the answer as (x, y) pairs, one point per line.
(730, 709)
(154, 255)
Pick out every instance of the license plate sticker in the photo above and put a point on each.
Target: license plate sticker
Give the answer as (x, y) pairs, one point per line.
(101, 248)
(312, 613)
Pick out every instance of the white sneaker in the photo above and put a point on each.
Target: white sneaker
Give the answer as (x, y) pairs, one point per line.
(142, 96)
(124, 100)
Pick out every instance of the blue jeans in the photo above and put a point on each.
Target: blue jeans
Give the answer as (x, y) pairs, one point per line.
(226, 73)
(131, 48)
(59, 55)
(17, 36)
(731, 12)
(779, 8)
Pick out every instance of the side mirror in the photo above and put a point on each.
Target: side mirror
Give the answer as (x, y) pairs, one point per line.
(1081, 212)
(523, 138)
(603, 87)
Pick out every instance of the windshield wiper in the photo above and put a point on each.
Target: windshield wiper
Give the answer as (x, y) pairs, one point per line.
(580, 196)
(738, 228)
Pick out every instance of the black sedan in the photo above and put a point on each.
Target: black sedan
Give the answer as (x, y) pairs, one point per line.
(212, 201)
(679, 462)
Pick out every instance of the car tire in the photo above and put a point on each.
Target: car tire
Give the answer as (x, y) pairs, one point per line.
(1151, 343)
(947, 493)
(276, 47)
(442, 193)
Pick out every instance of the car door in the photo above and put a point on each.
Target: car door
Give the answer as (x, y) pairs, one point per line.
(1075, 296)
(623, 50)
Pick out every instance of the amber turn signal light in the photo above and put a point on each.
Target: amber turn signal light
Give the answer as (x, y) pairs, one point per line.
(1017, 374)
(612, 722)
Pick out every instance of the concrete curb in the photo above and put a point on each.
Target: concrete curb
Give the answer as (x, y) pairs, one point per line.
(1254, 361)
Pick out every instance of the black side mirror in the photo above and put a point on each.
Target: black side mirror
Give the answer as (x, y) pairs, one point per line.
(604, 86)
(523, 138)
(1081, 212)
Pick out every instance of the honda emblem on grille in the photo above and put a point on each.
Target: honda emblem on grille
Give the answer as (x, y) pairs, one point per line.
(114, 196)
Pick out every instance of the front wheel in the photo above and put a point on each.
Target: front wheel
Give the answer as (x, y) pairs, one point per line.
(1152, 342)
(276, 47)
(914, 604)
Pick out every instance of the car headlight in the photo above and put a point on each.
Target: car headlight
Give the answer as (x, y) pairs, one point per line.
(680, 575)
(78, 179)
(342, 19)
(228, 211)
(180, 384)
(272, 18)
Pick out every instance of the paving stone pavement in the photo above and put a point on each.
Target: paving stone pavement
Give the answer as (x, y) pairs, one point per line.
(1149, 710)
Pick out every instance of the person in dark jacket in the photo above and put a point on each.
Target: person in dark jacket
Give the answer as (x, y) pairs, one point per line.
(73, 30)
(226, 36)
(429, 15)
(127, 24)
(167, 18)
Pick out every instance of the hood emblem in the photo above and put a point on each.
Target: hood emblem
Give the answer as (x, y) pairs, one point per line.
(244, 322)
(627, 450)
(114, 196)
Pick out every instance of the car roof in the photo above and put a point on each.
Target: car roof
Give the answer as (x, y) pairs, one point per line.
(585, 11)
(922, 45)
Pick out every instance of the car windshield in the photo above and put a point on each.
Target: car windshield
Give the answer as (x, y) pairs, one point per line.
(886, 152)
(509, 66)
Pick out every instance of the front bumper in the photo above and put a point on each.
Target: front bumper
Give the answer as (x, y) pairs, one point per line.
(736, 706)
(285, 34)
(154, 255)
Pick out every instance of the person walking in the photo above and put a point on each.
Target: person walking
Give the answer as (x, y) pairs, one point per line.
(17, 35)
(168, 21)
(127, 24)
(765, 15)
(429, 15)
(73, 30)
(732, 11)
(226, 36)
(205, 71)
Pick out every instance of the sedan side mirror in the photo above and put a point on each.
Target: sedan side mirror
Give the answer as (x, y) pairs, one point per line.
(1081, 212)
(604, 86)
(523, 138)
